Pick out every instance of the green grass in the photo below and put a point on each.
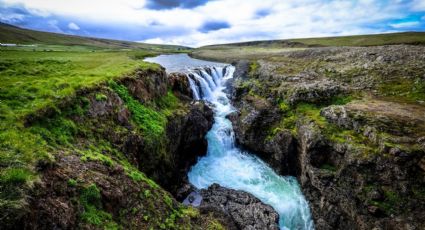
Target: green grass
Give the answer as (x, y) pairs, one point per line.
(15, 176)
(36, 87)
(151, 122)
(356, 40)
(33, 80)
(90, 199)
(52, 41)
(366, 40)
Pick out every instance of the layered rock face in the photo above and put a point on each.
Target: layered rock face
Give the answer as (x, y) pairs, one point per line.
(237, 209)
(104, 178)
(349, 123)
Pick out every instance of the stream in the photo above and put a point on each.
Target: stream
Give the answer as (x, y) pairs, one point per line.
(225, 163)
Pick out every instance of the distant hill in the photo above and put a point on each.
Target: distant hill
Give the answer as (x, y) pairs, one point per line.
(17, 35)
(414, 38)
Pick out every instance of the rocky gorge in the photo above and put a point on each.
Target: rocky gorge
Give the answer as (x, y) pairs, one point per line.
(121, 160)
(347, 122)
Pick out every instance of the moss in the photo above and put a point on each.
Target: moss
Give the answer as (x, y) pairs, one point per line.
(139, 176)
(56, 131)
(328, 167)
(215, 225)
(151, 122)
(94, 155)
(15, 176)
(72, 182)
(189, 211)
(90, 199)
(147, 193)
(391, 203)
(168, 200)
(101, 97)
(341, 99)
(407, 89)
(284, 107)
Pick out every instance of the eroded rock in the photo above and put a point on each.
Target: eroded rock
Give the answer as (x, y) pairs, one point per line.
(246, 211)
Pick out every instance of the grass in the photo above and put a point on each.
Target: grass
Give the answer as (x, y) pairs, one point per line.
(150, 118)
(16, 35)
(35, 87)
(366, 40)
(265, 49)
(33, 80)
(90, 199)
(356, 40)
(151, 122)
(311, 112)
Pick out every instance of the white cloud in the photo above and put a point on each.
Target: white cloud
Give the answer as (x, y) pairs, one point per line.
(286, 19)
(11, 18)
(73, 26)
(418, 5)
(401, 25)
(53, 26)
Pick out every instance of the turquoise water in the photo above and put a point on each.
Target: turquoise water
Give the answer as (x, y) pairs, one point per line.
(231, 167)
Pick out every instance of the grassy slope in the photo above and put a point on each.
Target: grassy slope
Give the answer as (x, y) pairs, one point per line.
(265, 49)
(356, 40)
(12, 34)
(33, 79)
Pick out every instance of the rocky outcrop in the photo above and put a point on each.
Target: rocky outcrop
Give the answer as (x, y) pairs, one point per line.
(146, 85)
(360, 164)
(104, 178)
(347, 188)
(243, 210)
(179, 83)
(190, 134)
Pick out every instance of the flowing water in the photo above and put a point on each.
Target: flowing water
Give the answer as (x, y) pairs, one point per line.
(225, 163)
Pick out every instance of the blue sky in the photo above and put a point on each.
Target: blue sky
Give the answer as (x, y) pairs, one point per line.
(203, 22)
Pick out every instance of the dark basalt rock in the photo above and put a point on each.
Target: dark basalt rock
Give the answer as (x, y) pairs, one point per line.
(179, 83)
(361, 165)
(241, 208)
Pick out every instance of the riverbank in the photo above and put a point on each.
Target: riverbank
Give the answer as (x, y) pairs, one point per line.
(348, 122)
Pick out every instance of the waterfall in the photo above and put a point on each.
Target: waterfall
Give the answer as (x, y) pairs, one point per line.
(206, 90)
(195, 89)
(209, 79)
(234, 168)
(224, 162)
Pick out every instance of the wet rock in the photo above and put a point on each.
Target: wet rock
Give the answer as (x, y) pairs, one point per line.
(178, 82)
(246, 211)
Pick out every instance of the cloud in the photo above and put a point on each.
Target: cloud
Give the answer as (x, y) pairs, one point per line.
(197, 23)
(54, 27)
(213, 25)
(170, 4)
(73, 26)
(418, 5)
(401, 25)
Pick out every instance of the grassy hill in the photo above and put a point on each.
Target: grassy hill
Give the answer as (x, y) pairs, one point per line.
(16, 35)
(266, 49)
(414, 38)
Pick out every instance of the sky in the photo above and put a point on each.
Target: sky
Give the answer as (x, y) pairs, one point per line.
(197, 23)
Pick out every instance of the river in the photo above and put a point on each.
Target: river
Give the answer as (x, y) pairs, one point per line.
(225, 163)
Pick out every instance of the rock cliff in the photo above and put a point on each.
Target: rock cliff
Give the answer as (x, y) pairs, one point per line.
(348, 122)
(120, 148)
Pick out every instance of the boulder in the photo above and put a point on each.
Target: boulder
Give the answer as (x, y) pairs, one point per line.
(245, 210)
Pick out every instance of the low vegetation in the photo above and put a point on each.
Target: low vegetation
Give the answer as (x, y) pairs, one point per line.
(42, 94)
